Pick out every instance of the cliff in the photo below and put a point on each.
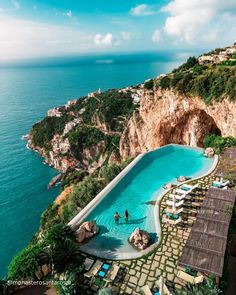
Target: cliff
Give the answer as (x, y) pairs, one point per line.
(184, 106)
(166, 116)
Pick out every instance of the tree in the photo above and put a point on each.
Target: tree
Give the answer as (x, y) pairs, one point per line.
(64, 251)
(65, 255)
(109, 172)
(219, 143)
(86, 190)
(28, 262)
(149, 84)
(206, 288)
(191, 62)
(58, 234)
(165, 82)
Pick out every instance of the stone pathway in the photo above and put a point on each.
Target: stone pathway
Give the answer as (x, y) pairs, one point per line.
(164, 260)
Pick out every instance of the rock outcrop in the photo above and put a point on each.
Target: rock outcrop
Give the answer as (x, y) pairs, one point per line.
(165, 116)
(140, 239)
(87, 230)
(209, 152)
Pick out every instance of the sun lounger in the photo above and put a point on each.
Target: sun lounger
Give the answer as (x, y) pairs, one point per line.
(223, 183)
(188, 278)
(176, 211)
(177, 204)
(112, 273)
(88, 263)
(165, 289)
(94, 270)
(186, 189)
(145, 290)
(219, 184)
(189, 186)
(171, 221)
(178, 197)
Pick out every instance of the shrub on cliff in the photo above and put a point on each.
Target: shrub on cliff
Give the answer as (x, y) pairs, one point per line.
(28, 262)
(49, 216)
(109, 172)
(218, 142)
(72, 177)
(110, 107)
(85, 137)
(86, 190)
(164, 82)
(149, 84)
(82, 194)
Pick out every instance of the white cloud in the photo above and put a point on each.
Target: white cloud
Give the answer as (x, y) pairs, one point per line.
(103, 40)
(156, 36)
(1, 10)
(191, 20)
(23, 38)
(16, 4)
(143, 9)
(68, 13)
(126, 36)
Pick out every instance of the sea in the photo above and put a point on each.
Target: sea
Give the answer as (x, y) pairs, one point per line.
(27, 90)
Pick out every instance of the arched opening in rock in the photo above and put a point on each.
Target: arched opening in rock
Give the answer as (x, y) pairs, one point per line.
(192, 128)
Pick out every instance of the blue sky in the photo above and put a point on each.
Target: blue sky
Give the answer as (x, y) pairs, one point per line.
(30, 28)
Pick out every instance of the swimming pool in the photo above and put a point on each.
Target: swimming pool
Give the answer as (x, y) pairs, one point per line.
(137, 192)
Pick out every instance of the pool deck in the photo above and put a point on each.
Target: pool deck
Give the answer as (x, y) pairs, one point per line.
(164, 259)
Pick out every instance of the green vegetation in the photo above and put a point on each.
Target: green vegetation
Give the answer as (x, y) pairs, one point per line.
(149, 84)
(43, 131)
(219, 143)
(103, 118)
(211, 82)
(112, 108)
(64, 252)
(208, 287)
(57, 248)
(85, 137)
(49, 217)
(28, 262)
(72, 177)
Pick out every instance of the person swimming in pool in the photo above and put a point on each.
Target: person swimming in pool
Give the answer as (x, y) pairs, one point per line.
(126, 215)
(117, 217)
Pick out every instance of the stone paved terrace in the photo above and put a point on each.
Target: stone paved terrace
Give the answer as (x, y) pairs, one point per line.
(164, 260)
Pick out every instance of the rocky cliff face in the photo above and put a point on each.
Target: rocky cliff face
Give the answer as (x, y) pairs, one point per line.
(166, 117)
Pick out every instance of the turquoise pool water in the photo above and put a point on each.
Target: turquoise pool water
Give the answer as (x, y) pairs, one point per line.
(136, 192)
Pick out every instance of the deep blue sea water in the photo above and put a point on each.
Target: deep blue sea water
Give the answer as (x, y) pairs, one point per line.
(27, 91)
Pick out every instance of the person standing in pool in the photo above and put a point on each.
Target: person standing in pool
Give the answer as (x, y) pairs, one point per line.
(126, 215)
(117, 217)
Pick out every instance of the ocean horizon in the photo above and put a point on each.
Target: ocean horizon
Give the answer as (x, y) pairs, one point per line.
(28, 90)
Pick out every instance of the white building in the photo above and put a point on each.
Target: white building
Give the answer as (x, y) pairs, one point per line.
(70, 103)
(92, 94)
(54, 112)
(71, 125)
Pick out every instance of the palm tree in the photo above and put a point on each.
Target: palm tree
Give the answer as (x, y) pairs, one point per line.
(64, 255)
(206, 288)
